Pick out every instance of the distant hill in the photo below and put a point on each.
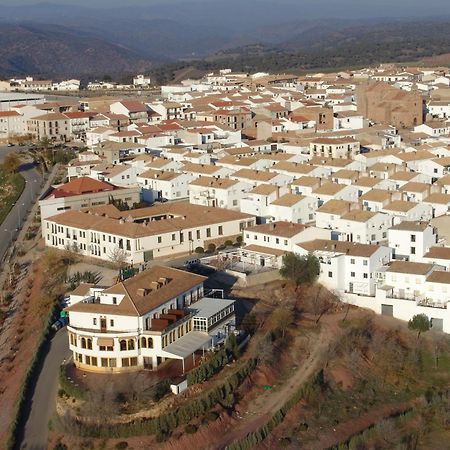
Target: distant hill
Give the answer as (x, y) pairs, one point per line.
(328, 45)
(52, 51)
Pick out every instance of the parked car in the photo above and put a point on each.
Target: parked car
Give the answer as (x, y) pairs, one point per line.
(57, 325)
(61, 322)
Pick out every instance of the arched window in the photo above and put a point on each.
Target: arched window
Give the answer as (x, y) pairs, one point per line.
(83, 342)
(131, 344)
(143, 342)
(123, 344)
(89, 344)
(150, 342)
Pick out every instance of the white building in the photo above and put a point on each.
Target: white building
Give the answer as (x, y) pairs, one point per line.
(139, 323)
(347, 267)
(412, 240)
(141, 235)
(220, 192)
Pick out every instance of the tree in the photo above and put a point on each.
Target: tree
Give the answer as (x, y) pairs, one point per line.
(321, 303)
(11, 163)
(249, 323)
(300, 269)
(118, 257)
(419, 323)
(280, 320)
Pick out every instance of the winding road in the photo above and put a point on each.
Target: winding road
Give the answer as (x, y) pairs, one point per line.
(33, 184)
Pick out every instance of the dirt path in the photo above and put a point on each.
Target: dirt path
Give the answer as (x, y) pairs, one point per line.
(267, 404)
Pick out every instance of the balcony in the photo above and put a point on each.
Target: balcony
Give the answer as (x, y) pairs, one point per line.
(167, 322)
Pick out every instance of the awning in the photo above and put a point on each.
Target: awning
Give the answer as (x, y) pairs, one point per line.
(186, 345)
(105, 342)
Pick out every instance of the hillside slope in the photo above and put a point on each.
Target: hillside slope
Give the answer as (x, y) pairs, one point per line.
(51, 51)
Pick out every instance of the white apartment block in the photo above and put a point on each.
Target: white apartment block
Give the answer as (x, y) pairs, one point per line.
(347, 267)
(141, 235)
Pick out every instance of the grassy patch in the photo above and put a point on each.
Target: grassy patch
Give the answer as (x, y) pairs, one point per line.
(11, 187)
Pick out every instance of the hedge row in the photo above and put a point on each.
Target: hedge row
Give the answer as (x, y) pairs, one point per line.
(162, 425)
(261, 433)
(27, 388)
(68, 387)
(215, 362)
(369, 433)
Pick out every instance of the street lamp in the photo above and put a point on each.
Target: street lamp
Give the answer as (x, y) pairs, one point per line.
(18, 211)
(30, 183)
(11, 233)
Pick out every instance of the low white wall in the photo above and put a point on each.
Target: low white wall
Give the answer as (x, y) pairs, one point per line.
(402, 309)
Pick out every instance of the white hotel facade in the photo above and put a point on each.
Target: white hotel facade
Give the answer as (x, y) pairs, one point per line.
(139, 323)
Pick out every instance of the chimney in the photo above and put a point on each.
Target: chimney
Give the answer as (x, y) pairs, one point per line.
(142, 292)
(163, 281)
(271, 226)
(155, 285)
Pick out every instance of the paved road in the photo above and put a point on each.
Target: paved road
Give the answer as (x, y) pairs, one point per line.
(43, 401)
(33, 183)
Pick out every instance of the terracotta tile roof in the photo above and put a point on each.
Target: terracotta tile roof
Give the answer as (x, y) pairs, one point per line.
(438, 253)
(400, 206)
(409, 267)
(443, 199)
(144, 292)
(288, 200)
(256, 175)
(264, 250)
(81, 185)
(281, 229)
(439, 276)
(264, 189)
(340, 247)
(406, 225)
(216, 183)
(338, 207)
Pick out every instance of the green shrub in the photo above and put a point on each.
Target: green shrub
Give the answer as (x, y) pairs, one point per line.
(200, 250)
(122, 445)
(211, 248)
(215, 362)
(190, 429)
(228, 243)
(211, 416)
(160, 390)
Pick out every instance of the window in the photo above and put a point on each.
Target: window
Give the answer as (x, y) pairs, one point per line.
(208, 232)
(94, 321)
(114, 300)
(365, 275)
(198, 234)
(413, 238)
(413, 250)
(352, 274)
(365, 262)
(159, 239)
(111, 322)
(352, 261)
(220, 230)
(285, 242)
(173, 236)
(277, 240)
(330, 274)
